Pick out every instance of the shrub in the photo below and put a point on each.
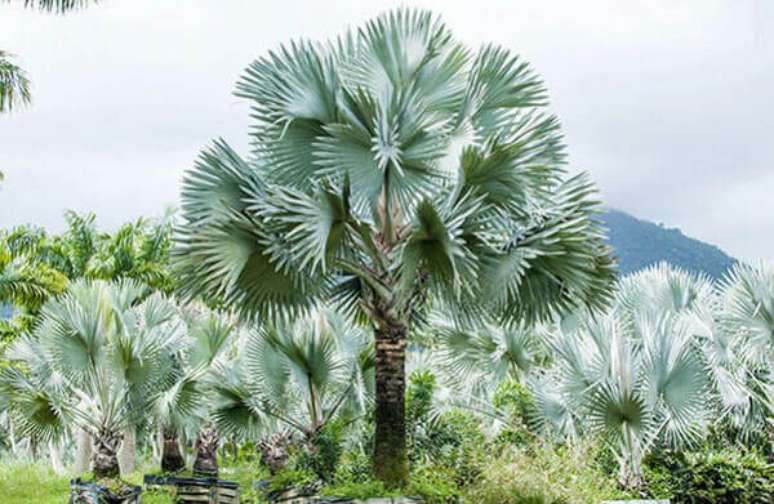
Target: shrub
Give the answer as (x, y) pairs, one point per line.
(544, 474)
(711, 476)
(436, 485)
(292, 478)
(452, 440)
(321, 453)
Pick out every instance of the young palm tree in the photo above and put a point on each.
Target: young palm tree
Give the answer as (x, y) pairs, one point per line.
(393, 168)
(637, 386)
(184, 403)
(94, 363)
(295, 377)
(481, 358)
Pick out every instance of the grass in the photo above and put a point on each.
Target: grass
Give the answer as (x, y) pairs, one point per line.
(540, 475)
(27, 482)
(545, 475)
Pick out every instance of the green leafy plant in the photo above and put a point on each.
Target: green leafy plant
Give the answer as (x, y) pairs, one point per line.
(711, 476)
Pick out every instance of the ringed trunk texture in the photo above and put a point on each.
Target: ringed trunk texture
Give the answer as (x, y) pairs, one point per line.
(83, 448)
(105, 458)
(390, 462)
(206, 448)
(127, 455)
(171, 456)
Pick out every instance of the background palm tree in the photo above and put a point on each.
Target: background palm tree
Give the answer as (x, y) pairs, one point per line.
(393, 169)
(296, 376)
(14, 84)
(745, 355)
(25, 284)
(95, 362)
(638, 386)
(184, 405)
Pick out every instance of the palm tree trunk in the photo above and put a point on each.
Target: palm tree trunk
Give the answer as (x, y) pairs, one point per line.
(389, 458)
(171, 456)
(56, 458)
(105, 458)
(206, 448)
(34, 449)
(127, 456)
(83, 447)
(12, 435)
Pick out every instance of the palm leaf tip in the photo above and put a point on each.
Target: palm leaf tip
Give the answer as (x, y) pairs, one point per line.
(14, 84)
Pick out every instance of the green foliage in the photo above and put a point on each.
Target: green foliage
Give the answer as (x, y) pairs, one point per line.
(450, 441)
(545, 474)
(435, 484)
(515, 399)
(360, 489)
(35, 265)
(723, 476)
(419, 398)
(25, 482)
(293, 478)
(517, 403)
(321, 452)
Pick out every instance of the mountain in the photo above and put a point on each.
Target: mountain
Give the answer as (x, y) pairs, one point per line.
(640, 243)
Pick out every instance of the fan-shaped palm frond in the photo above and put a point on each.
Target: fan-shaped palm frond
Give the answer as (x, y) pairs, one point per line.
(748, 306)
(479, 359)
(297, 375)
(746, 321)
(663, 289)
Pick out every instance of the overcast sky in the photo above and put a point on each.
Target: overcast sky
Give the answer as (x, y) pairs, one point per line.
(669, 104)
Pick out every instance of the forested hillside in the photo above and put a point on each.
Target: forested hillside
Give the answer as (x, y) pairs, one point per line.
(639, 243)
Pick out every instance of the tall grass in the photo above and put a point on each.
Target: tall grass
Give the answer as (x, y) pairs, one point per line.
(565, 474)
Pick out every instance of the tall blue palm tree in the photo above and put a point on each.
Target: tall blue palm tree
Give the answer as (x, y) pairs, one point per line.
(393, 169)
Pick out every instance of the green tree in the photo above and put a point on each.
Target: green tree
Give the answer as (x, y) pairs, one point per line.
(138, 250)
(25, 284)
(394, 170)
